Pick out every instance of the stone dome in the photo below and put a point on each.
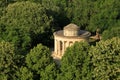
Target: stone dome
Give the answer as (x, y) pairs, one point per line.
(71, 26)
(71, 30)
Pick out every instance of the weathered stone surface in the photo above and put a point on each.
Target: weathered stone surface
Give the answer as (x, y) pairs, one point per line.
(67, 37)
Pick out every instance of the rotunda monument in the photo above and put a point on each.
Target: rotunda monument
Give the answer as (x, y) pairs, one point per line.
(67, 37)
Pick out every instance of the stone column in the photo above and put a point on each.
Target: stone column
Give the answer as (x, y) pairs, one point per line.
(63, 47)
(58, 48)
(71, 43)
(67, 44)
(55, 45)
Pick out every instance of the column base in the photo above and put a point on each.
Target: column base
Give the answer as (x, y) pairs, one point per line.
(56, 56)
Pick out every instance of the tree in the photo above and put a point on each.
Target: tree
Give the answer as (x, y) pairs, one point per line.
(82, 12)
(78, 11)
(4, 3)
(55, 8)
(26, 24)
(40, 62)
(75, 64)
(24, 74)
(105, 14)
(7, 65)
(112, 32)
(105, 59)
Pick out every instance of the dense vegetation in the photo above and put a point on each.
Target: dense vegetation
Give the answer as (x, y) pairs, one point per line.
(27, 26)
(85, 62)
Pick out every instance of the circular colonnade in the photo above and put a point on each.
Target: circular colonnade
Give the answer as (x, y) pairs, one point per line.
(67, 37)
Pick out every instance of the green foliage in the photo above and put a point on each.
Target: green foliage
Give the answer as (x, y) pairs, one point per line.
(112, 32)
(24, 74)
(105, 15)
(7, 65)
(82, 11)
(38, 57)
(26, 24)
(108, 34)
(56, 10)
(75, 64)
(4, 3)
(49, 73)
(105, 58)
(40, 62)
(92, 14)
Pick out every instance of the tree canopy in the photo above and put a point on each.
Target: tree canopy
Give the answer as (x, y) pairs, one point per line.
(105, 59)
(39, 60)
(26, 34)
(75, 64)
(7, 63)
(112, 32)
(25, 24)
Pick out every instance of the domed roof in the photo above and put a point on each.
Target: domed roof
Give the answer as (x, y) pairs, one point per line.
(72, 27)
